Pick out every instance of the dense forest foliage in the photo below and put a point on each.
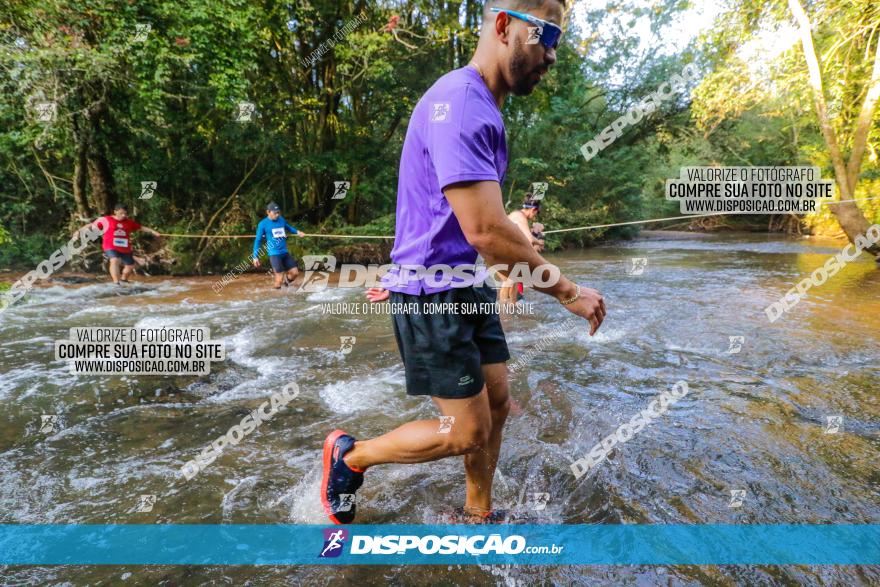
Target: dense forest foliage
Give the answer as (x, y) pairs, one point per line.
(229, 104)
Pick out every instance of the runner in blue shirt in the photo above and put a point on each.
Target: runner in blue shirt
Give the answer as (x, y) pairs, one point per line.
(274, 229)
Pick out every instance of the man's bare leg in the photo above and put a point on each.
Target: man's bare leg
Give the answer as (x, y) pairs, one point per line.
(291, 275)
(506, 293)
(127, 271)
(278, 277)
(115, 262)
(480, 466)
(421, 441)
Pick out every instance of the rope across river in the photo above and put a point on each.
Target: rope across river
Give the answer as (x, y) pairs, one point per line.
(591, 227)
(252, 236)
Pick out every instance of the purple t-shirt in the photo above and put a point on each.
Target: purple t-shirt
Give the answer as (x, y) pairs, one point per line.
(455, 134)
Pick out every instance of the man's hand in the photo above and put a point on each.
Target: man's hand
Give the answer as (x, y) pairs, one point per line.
(256, 262)
(377, 294)
(300, 233)
(589, 305)
(478, 208)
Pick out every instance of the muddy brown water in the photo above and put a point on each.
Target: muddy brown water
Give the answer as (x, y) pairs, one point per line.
(755, 420)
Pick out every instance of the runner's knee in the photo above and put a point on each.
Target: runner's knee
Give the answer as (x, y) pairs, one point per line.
(468, 439)
(500, 407)
(499, 395)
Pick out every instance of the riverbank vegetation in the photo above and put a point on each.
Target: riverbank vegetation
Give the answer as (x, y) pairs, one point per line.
(228, 105)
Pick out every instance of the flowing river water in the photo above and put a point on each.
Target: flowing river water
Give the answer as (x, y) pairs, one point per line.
(754, 420)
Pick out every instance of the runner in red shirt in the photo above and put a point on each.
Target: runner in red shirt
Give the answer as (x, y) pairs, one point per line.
(117, 242)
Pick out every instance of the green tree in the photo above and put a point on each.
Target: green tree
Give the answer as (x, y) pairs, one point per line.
(835, 67)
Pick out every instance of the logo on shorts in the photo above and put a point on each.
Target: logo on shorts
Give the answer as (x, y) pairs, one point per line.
(465, 380)
(334, 540)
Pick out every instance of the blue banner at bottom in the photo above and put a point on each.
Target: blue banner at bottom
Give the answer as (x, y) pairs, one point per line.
(387, 544)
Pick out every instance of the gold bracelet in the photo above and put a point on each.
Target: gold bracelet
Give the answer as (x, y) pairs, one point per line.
(573, 299)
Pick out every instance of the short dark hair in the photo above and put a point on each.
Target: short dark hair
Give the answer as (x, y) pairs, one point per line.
(120, 207)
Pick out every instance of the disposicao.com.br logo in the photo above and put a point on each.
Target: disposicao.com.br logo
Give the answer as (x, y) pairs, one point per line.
(334, 540)
(450, 544)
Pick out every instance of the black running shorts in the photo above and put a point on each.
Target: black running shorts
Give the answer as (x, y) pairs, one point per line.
(442, 351)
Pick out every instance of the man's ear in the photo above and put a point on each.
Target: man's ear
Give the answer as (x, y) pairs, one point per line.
(502, 24)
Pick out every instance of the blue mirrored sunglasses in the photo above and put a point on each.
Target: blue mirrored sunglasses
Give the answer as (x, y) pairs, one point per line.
(550, 33)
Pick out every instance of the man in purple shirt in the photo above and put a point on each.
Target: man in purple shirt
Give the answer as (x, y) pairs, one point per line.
(449, 210)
